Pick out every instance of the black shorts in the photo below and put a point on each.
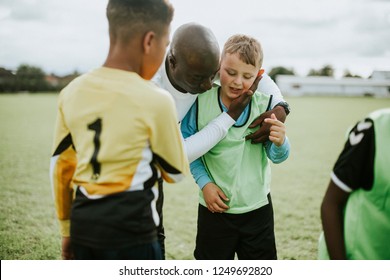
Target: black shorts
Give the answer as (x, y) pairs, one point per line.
(250, 235)
(149, 251)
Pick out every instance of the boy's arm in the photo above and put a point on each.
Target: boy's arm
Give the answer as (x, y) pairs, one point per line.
(200, 142)
(166, 142)
(354, 169)
(279, 107)
(278, 146)
(212, 193)
(62, 167)
(332, 220)
(277, 154)
(188, 129)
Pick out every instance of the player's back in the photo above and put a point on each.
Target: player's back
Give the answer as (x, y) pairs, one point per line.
(111, 114)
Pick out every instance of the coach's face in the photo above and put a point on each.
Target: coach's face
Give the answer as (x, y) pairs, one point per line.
(193, 72)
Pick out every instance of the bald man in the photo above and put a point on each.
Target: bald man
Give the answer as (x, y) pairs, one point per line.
(190, 67)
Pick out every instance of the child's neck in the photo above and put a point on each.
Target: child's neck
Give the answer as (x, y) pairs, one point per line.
(225, 99)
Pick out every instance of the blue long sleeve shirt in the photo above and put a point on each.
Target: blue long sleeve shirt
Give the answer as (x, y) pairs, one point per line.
(189, 127)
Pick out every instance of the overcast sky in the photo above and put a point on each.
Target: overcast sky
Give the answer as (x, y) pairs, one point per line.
(63, 36)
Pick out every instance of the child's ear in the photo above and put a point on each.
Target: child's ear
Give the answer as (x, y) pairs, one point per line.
(260, 73)
(148, 41)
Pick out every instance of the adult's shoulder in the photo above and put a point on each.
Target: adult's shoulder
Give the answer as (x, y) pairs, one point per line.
(267, 85)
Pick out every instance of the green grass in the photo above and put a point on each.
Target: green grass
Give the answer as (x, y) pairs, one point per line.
(28, 227)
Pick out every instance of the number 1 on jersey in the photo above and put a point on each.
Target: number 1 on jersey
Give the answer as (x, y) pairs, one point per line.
(97, 127)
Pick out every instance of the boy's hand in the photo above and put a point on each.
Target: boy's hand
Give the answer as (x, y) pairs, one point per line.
(238, 105)
(67, 252)
(213, 196)
(277, 130)
(262, 134)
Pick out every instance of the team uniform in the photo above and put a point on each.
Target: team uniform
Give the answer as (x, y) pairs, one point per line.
(243, 173)
(198, 144)
(362, 170)
(116, 135)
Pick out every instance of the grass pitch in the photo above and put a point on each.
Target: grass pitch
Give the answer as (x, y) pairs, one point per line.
(28, 228)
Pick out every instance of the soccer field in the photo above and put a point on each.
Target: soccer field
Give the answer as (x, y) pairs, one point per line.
(28, 227)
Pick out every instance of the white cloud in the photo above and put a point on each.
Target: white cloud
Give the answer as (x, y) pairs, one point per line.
(62, 36)
(59, 36)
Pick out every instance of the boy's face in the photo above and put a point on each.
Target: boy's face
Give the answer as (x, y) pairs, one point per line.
(236, 76)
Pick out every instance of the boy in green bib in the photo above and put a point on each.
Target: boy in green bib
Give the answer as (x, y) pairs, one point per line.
(235, 214)
(355, 211)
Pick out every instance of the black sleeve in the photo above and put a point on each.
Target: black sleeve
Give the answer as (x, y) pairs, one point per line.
(355, 165)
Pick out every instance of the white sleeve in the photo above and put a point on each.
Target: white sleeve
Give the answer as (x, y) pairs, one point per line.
(201, 142)
(268, 87)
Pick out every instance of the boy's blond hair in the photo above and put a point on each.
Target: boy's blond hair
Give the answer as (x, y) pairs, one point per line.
(248, 49)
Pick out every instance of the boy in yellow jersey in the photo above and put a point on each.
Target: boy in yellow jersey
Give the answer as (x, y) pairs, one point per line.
(116, 135)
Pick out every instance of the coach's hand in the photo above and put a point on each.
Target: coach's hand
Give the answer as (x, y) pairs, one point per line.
(67, 252)
(238, 105)
(262, 134)
(214, 196)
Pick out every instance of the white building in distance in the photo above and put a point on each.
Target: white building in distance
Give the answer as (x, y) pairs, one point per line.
(377, 85)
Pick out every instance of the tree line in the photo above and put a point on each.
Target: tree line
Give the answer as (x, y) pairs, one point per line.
(326, 70)
(28, 78)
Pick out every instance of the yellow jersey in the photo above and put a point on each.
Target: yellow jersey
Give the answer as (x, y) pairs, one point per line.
(115, 135)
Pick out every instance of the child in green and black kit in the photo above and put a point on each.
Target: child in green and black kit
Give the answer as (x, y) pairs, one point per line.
(235, 214)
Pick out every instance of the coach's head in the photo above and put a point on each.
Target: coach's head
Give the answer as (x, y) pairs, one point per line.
(193, 59)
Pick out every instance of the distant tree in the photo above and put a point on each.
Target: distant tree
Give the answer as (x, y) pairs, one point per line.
(280, 70)
(7, 80)
(31, 78)
(313, 72)
(348, 74)
(327, 71)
